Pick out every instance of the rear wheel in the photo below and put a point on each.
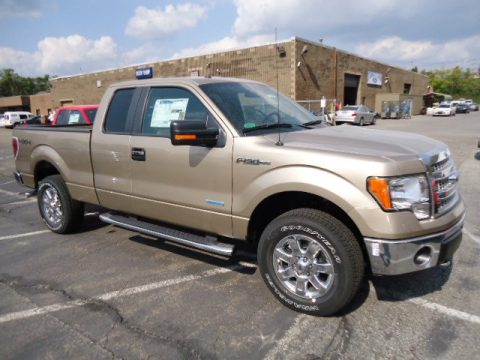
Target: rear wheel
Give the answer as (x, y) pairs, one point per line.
(361, 122)
(310, 261)
(60, 212)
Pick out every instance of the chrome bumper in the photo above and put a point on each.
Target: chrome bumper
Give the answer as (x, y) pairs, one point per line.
(394, 257)
(18, 177)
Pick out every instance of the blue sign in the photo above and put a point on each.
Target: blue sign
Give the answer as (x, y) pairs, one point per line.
(144, 73)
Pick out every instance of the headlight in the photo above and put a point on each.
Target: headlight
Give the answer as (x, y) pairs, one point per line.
(402, 193)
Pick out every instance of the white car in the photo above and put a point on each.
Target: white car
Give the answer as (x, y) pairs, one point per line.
(445, 110)
(355, 114)
(10, 118)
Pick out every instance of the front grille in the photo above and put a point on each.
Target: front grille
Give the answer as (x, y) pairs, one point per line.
(444, 178)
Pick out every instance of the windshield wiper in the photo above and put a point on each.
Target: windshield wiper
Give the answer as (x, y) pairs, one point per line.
(268, 126)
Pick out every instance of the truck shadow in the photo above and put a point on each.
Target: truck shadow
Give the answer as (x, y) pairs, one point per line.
(240, 262)
(407, 286)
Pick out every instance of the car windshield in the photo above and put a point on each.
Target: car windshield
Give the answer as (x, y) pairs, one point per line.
(91, 114)
(444, 106)
(252, 106)
(352, 108)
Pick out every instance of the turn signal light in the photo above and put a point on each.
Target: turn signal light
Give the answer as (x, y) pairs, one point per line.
(186, 137)
(381, 190)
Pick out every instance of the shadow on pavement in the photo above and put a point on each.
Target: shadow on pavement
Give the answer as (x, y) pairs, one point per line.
(216, 260)
(404, 287)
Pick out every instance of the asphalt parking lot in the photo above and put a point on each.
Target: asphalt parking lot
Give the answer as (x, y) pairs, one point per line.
(106, 292)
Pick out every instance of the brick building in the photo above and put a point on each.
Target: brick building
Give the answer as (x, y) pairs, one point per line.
(306, 71)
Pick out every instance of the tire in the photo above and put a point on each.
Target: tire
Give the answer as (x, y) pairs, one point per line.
(310, 261)
(58, 210)
(374, 120)
(361, 122)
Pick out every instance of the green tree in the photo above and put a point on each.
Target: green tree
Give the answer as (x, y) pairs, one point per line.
(457, 82)
(12, 84)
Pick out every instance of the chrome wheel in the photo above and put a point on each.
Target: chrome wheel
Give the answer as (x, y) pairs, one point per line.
(304, 266)
(52, 206)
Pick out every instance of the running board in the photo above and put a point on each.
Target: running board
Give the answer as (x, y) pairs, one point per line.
(206, 243)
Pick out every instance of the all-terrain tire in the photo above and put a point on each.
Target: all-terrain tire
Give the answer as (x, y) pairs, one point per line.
(311, 261)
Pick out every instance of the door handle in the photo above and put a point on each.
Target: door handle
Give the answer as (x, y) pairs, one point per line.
(138, 154)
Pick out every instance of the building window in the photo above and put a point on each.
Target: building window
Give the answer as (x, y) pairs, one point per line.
(407, 88)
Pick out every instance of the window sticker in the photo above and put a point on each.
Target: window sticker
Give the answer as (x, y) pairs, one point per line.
(74, 119)
(167, 110)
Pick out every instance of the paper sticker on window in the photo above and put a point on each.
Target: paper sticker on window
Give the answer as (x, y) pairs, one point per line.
(74, 119)
(167, 110)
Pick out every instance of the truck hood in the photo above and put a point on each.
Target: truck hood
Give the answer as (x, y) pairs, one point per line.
(359, 141)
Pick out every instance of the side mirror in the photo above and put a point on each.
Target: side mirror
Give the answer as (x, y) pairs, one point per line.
(193, 133)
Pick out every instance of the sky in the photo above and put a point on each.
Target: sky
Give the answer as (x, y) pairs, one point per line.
(66, 37)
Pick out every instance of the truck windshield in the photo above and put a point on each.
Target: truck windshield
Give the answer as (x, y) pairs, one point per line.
(251, 106)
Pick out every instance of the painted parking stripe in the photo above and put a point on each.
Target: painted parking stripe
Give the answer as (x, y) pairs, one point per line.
(26, 201)
(471, 236)
(8, 182)
(120, 293)
(10, 193)
(446, 310)
(16, 236)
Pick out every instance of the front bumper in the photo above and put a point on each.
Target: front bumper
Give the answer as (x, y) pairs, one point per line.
(394, 257)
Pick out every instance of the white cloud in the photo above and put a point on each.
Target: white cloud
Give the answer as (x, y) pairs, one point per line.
(261, 16)
(62, 55)
(424, 53)
(225, 44)
(157, 23)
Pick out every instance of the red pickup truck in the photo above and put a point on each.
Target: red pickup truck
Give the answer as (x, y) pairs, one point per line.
(75, 114)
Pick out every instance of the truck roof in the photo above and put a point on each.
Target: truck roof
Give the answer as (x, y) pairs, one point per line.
(180, 81)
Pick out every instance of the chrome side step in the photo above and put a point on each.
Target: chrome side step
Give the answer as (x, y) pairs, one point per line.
(206, 243)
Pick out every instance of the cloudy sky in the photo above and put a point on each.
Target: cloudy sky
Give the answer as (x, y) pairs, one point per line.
(64, 37)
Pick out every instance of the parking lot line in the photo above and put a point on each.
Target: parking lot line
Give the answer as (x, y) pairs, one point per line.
(116, 294)
(471, 236)
(10, 193)
(446, 310)
(8, 182)
(15, 236)
(26, 201)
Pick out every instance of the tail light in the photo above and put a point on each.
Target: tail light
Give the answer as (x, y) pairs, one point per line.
(15, 146)
(354, 114)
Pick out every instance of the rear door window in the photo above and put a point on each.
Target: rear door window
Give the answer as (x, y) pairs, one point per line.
(117, 115)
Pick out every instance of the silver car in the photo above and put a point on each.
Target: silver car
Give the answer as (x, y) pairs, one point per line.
(355, 114)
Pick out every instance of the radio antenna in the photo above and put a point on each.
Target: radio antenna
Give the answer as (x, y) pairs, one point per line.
(277, 55)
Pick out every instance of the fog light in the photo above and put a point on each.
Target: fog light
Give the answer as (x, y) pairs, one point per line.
(423, 256)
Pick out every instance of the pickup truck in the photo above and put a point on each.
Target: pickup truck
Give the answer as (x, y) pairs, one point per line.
(209, 162)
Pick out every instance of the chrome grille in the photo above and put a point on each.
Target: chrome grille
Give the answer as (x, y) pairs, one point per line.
(444, 178)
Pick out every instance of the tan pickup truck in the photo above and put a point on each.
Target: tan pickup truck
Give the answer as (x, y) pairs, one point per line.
(208, 162)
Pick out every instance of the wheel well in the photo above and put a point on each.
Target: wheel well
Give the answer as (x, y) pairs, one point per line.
(277, 204)
(44, 169)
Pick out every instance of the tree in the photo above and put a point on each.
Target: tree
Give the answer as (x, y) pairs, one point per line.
(12, 84)
(457, 82)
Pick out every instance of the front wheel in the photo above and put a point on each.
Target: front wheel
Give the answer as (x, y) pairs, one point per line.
(310, 261)
(60, 212)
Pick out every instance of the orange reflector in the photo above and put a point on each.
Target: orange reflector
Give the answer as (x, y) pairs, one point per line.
(186, 137)
(380, 189)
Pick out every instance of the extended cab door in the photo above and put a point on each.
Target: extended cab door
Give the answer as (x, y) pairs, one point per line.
(186, 185)
(110, 149)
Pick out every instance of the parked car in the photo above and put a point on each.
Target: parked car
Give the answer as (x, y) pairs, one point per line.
(36, 120)
(462, 108)
(355, 114)
(445, 110)
(10, 118)
(473, 106)
(75, 115)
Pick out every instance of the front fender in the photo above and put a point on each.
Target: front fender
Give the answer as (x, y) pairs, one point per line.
(305, 179)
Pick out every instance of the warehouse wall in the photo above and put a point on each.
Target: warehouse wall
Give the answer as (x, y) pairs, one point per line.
(256, 63)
